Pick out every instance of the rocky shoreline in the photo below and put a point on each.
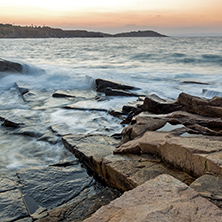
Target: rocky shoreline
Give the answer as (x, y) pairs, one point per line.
(167, 161)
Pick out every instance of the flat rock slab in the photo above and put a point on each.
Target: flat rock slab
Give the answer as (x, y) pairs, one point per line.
(197, 155)
(161, 199)
(122, 172)
(12, 206)
(52, 186)
(90, 149)
(79, 210)
(210, 187)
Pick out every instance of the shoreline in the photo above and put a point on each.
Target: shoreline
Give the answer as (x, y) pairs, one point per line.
(189, 150)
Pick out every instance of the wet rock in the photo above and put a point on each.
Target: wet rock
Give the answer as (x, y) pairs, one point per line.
(163, 198)
(117, 92)
(52, 186)
(12, 206)
(8, 123)
(196, 155)
(210, 187)
(80, 210)
(63, 94)
(195, 82)
(102, 84)
(87, 105)
(22, 87)
(7, 184)
(74, 107)
(8, 66)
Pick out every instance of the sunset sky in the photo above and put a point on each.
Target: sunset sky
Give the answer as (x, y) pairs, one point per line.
(172, 17)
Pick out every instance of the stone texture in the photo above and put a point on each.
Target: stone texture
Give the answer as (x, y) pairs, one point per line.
(90, 149)
(200, 105)
(140, 126)
(196, 155)
(52, 186)
(161, 199)
(210, 187)
(12, 206)
(122, 172)
(79, 210)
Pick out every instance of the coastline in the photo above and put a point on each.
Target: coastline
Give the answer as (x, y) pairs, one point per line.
(164, 140)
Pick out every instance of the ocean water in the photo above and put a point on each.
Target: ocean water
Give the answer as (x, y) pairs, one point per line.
(164, 66)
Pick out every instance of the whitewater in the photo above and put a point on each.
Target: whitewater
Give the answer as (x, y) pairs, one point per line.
(162, 66)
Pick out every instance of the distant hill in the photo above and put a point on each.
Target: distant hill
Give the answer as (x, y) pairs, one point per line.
(12, 31)
(140, 34)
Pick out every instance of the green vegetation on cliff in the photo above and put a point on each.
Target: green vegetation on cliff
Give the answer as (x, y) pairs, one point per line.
(12, 31)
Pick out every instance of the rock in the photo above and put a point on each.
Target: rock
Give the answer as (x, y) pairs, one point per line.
(8, 123)
(195, 82)
(126, 172)
(155, 105)
(122, 172)
(7, 184)
(8, 66)
(141, 125)
(74, 107)
(102, 84)
(79, 210)
(63, 94)
(117, 92)
(22, 87)
(185, 102)
(87, 105)
(210, 187)
(52, 186)
(196, 155)
(90, 149)
(201, 106)
(161, 199)
(12, 206)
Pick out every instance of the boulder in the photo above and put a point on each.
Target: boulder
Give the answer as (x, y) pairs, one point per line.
(155, 105)
(161, 199)
(8, 66)
(102, 84)
(210, 187)
(200, 105)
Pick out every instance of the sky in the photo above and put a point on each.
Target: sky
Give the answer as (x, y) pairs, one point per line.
(171, 17)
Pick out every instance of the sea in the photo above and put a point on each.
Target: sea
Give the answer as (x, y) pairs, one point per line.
(162, 66)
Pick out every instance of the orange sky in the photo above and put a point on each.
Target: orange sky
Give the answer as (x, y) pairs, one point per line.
(166, 16)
